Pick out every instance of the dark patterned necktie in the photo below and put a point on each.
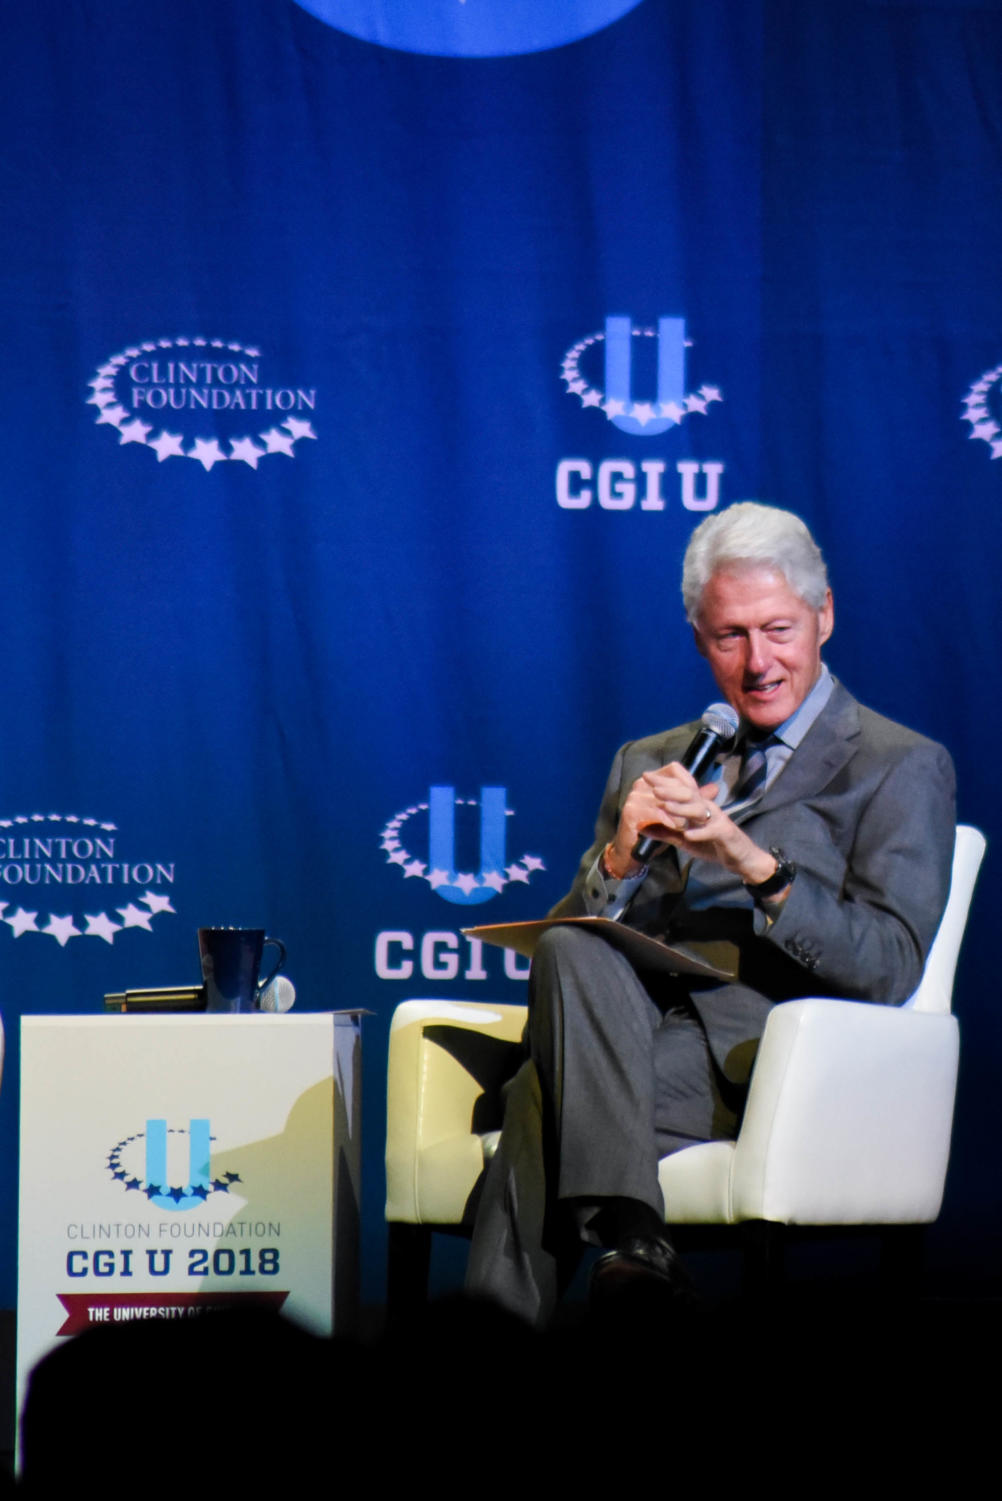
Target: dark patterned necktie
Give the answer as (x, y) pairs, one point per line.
(752, 776)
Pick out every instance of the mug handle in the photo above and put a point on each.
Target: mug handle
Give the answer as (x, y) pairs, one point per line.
(263, 984)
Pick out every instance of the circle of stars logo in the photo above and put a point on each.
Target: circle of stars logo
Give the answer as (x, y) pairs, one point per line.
(465, 881)
(60, 830)
(977, 413)
(281, 438)
(473, 28)
(185, 1196)
(641, 411)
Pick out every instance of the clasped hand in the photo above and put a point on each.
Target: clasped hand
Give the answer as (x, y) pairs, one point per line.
(668, 805)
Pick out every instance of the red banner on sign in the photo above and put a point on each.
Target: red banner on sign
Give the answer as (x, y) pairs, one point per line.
(91, 1310)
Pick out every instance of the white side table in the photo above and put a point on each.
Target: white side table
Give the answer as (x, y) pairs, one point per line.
(173, 1163)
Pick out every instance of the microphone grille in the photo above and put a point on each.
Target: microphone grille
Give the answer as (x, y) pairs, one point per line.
(278, 995)
(721, 720)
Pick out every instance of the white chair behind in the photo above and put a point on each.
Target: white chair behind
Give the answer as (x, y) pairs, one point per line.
(848, 1118)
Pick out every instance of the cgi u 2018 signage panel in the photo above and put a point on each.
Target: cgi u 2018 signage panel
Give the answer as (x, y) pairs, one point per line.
(174, 1165)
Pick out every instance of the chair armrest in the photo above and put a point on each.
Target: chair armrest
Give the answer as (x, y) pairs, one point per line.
(447, 1061)
(848, 1117)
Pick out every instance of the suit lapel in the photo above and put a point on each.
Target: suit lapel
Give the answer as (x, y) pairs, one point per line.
(828, 745)
(825, 749)
(676, 743)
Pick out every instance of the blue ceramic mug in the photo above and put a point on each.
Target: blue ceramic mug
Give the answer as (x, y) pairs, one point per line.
(231, 963)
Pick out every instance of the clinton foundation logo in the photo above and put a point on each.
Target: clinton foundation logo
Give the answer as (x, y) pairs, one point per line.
(138, 1265)
(983, 410)
(70, 877)
(203, 399)
(636, 379)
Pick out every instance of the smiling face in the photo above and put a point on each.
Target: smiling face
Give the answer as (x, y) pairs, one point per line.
(762, 641)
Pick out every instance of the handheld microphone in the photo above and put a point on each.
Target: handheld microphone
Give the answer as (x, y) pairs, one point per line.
(716, 732)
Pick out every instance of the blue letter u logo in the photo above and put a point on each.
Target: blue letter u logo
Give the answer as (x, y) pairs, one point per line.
(442, 843)
(671, 373)
(199, 1185)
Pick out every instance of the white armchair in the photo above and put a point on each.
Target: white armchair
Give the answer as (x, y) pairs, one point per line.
(847, 1122)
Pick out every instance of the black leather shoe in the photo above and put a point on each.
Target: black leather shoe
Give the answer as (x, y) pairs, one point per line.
(642, 1268)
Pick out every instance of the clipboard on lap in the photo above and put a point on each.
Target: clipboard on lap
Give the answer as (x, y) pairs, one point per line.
(707, 961)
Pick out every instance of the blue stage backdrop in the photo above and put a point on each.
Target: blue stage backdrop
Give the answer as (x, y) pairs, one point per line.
(366, 368)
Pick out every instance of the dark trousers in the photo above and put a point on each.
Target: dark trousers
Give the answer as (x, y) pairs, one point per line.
(618, 1075)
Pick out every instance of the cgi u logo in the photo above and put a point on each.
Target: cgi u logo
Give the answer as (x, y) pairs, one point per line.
(442, 843)
(490, 28)
(199, 1184)
(671, 372)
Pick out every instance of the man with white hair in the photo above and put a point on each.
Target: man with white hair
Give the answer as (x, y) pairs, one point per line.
(819, 848)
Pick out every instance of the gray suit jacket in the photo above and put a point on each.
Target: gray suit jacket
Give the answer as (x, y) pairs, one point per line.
(865, 810)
